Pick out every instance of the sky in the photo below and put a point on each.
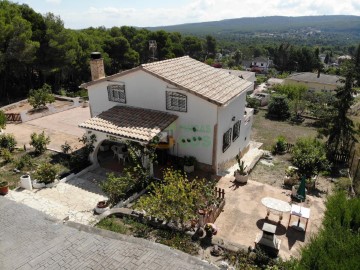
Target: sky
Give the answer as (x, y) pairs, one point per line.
(78, 14)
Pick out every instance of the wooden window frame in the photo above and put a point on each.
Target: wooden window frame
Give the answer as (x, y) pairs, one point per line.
(117, 93)
(173, 99)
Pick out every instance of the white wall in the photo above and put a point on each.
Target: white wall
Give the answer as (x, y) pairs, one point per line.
(146, 91)
(235, 108)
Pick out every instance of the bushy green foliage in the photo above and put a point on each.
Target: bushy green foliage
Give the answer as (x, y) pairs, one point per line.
(278, 108)
(46, 173)
(39, 142)
(280, 145)
(7, 141)
(116, 187)
(40, 97)
(66, 148)
(2, 120)
(175, 198)
(80, 159)
(24, 161)
(309, 156)
(6, 155)
(337, 244)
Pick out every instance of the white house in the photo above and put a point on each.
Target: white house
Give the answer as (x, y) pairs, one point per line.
(260, 64)
(200, 109)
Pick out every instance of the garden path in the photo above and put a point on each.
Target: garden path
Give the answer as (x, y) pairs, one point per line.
(73, 200)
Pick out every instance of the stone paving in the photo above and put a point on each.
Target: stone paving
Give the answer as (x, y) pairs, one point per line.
(29, 239)
(73, 200)
(244, 215)
(61, 127)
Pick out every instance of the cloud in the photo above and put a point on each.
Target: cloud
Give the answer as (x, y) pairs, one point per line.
(57, 2)
(205, 10)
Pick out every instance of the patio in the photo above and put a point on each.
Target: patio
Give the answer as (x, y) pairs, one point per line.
(244, 215)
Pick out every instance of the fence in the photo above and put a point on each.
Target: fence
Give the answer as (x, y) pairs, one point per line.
(13, 117)
(211, 214)
(289, 147)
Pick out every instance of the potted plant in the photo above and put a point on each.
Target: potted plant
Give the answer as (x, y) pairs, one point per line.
(189, 164)
(25, 182)
(4, 188)
(102, 207)
(46, 173)
(241, 175)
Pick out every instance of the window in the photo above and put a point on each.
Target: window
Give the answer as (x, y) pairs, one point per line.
(236, 130)
(227, 139)
(176, 101)
(116, 92)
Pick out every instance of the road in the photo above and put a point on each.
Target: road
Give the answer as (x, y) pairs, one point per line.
(29, 239)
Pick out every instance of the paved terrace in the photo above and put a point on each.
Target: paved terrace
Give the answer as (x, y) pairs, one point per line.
(244, 215)
(30, 239)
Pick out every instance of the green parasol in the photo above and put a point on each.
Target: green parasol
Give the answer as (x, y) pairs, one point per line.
(301, 192)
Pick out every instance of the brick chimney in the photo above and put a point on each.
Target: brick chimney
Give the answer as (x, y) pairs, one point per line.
(97, 66)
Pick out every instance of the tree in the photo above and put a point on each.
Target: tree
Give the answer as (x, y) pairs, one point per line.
(309, 156)
(39, 142)
(175, 198)
(278, 107)
(40, 97)
(2, 120)
(294, 93)
(340, 131)
(210, 46)
(336, 245)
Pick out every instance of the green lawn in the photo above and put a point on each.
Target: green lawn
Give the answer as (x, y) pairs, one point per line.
(266, 131)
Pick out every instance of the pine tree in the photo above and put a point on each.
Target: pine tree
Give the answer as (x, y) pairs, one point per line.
(341, 131)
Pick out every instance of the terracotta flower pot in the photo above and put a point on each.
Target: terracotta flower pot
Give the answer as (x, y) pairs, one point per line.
(4, 188)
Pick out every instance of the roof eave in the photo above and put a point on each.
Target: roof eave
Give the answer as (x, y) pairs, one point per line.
(107, 78)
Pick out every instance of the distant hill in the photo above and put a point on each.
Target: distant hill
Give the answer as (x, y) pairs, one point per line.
(274, 25)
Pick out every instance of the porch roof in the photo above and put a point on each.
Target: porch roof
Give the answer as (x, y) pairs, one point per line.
(131, 123)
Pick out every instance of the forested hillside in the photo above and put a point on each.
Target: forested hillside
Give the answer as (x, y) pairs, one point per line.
(303, 30)
(37, 48)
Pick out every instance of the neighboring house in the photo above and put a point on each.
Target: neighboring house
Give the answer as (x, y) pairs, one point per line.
(246, 75)
(261, 64)
(315, 82)
(199, 109)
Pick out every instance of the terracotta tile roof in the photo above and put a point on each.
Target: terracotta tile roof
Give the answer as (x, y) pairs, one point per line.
(130, 122)
(215, 85)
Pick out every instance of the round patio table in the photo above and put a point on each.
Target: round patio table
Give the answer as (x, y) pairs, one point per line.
(275, 206)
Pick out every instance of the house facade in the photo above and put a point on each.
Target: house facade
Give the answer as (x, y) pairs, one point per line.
(200, 109)
(260, 64)
(315, 82)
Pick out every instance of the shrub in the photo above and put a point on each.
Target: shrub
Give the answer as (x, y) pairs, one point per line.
(2, 120)
(117, 187)
(66, 148)
(39, 97)
(39, 142)
(190, 161)
(278, 107)
(344, 183)
(336, 246)
(46, 173)
(24, 162)
(280, 145)
(309, 156)
(6, 155)
(8, 141)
